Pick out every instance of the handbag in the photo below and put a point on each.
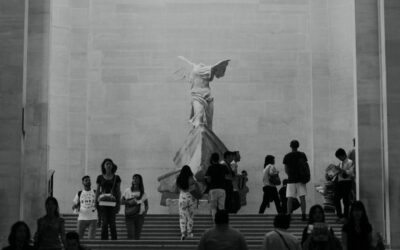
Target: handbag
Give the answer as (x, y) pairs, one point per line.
(196, 191)
(108, 200)
(131, 210)
(274, 179)
(283, 239)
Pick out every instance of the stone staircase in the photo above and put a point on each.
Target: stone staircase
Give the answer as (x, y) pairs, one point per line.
(161, 231)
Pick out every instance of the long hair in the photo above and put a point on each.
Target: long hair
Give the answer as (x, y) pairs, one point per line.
(214, 159)
(54, 200)
(182, 181)
(141, 186)
(269, 159)
(14, 228)
(313, 210)
(103, 166)
(364, 222)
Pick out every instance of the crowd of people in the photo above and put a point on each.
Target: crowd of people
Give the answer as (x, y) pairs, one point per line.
(99, 207)
(317, 234)
(297, 170)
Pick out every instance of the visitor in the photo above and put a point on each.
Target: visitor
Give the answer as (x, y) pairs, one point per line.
(85, 205)
(222, 236)
(280, 238)
(284, 199)
(136, 206)
(293, 162)
(73, 242)
(343, 184)
(108, 197)
(318, 235)
(226, 162)
(357, 231)
(235, 181)
(269, 188)
(215, 177)
(50, 232)
(19, 237)
(187, 203)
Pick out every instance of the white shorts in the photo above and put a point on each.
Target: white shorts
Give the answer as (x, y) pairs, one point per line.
(296, 189)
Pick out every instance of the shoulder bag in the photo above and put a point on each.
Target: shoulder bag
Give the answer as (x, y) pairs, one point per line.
(274, 179)
(108, 200)
(283, 239)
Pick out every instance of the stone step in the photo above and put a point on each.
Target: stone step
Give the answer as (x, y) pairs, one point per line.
(165, 245)
(161, 231)
(231, 216)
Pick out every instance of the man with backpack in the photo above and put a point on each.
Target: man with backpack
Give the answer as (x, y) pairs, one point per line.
(85, 205)
(298, 172)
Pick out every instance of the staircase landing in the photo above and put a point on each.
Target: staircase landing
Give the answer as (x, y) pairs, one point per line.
(161, 231)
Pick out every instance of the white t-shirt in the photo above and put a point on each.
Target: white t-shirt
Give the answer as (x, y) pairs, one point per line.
(87, 209)
(269, 170)
(348, 166)
(128, 194)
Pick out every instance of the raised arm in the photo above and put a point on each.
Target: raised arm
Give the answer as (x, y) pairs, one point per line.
(186, 60)
(76, 201)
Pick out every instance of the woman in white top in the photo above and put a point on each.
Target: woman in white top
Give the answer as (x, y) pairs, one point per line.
(136, 207)
(269, 189)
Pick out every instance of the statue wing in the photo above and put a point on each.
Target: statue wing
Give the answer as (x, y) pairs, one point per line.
(218, 69)
(184, 69)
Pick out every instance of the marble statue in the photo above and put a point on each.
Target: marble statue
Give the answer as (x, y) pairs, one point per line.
(201, 141)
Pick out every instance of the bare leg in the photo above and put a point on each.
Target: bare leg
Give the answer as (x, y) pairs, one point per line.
(289, 205)
(303, 207)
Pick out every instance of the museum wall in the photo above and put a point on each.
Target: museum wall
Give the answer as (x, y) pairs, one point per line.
(11, 71)
(113, 91)
(392, 25)
(23, 84)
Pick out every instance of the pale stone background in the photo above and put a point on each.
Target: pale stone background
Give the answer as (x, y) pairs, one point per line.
(113, 92)
(392, 27)
(11, 68)
(23, 160)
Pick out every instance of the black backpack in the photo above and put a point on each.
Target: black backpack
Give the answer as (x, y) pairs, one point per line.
(304, 171)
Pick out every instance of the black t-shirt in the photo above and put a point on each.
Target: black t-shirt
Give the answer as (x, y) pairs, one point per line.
(107, 185)
(293, 160)
(217, 173)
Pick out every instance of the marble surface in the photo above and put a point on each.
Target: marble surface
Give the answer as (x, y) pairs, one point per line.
(392, 22)
(370, 148)
(11, 71)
